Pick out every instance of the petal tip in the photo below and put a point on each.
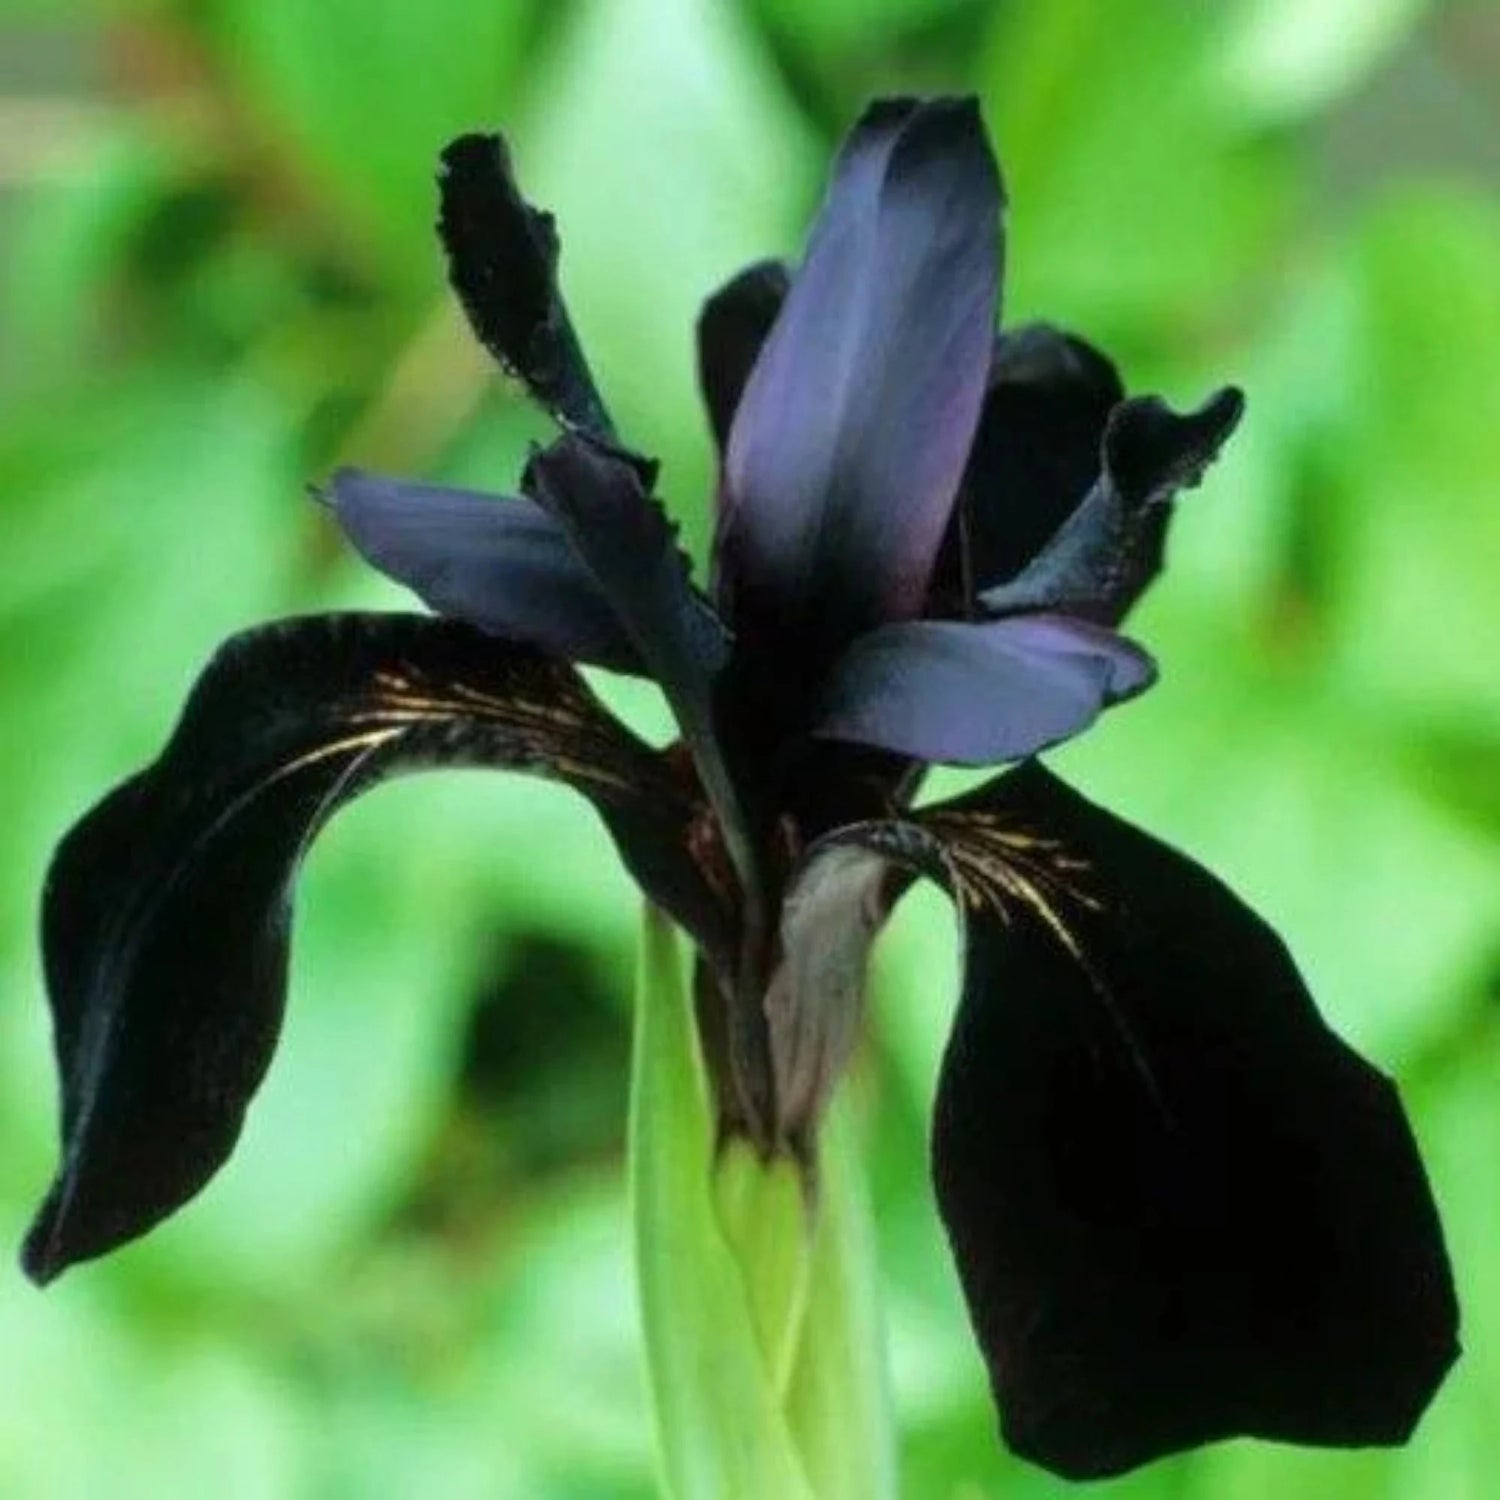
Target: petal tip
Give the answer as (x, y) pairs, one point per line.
(469, 150)
(1153, 450)
(43, 1255)
(334, 491)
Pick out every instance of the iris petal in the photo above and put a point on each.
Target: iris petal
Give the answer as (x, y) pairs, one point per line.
(1106, 553)
(504, 564)
(1182, 1208)
(602, 500)
(167, 912)
(851, 437)
(1036, 452)
(732, 328)
(979, 693)
(502, 262)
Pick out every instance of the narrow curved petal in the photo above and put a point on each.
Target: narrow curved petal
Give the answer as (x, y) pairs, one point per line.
(1035, 454)
(167, 912)
(501, 563)
(732, 328)
(851, 437)
(978, 693)
(502, 262)
(602, 500)
(1181, 1207)
(1105, 554)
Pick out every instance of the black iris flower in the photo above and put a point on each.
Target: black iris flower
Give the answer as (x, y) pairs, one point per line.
(1181, 1208)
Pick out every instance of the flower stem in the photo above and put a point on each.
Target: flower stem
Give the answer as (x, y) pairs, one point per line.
(761, 1329)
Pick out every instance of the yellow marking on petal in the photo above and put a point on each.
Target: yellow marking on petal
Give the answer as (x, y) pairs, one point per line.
(1011, 865)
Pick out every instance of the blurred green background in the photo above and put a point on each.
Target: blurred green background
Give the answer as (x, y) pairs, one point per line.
(218, 279)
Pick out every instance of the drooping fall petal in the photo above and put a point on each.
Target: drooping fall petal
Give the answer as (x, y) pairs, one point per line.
(1182, 1208)
(979, 693)
(502, 563)
(854, 427)
(168, 907)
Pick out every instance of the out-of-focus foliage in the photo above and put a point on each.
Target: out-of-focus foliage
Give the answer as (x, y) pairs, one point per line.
(217, 280)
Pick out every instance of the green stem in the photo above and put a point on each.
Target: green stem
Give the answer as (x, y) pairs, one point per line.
(761, 1330)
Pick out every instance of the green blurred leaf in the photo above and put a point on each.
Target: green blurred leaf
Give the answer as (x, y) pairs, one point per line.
(854, 24)
(65, 254)
(1287, 57)
(1131, 220)
(362, 94)
(1414, 580)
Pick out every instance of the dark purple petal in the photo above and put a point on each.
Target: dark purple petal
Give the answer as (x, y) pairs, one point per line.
(167, 912)
(503, 564)
(502, 262)
(602, 500)
(1034, 457)
(851, 436)
(1182, 1208)
(732, 328)
(963, 693)
(1106, 553)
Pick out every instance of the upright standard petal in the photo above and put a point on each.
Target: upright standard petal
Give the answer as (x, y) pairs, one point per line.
(502, 563)
(977, 694)
(1102, 558)
(732, 328)
(1182, 1209)
(851, 437)
(1035, 454)
(502, 262)
(168, 907)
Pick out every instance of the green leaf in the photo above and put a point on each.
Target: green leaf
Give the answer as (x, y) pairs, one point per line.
(838, 1399)
(1132, 222)
(766, 1222)
(1414, 592)
(1289, 57)
(362, 94)
(836, 25)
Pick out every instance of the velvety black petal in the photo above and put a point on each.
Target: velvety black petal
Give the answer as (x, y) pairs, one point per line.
(1182, 1208)
(851, 437)
(168, 907)
(502, 262)
(1105, 554)
(962, 693)
(732, 328)
(1035, 455)
(504, 564)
